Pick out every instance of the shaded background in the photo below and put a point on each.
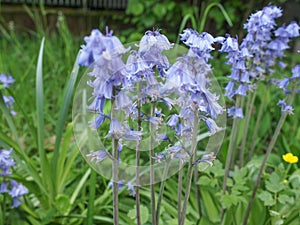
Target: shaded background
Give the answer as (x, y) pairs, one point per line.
(130, 18)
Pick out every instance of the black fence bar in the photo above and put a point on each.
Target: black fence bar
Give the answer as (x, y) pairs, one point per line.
(89, 4)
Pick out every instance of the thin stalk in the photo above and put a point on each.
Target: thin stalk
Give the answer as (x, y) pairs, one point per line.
(257, 125)
(263, 165)
(179, 191)
(232, 145)
(239, 103)
(161, 190)
(197, 186)
(190, 169)
(115, 165)
(250, 104)
(92, 192)
(138, 148)
(152, 190)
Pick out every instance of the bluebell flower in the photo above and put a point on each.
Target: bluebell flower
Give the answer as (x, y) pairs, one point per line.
(160, 157)
(162, 137)
(103, 53)
(235, 112)
(98, 156)
(6, 162)
(17, 189)
(120, 184)
(3, 187)
(178, 152)
(130, 187)
(6, 80)
(123, 102)
(212, 126)
(115, 129)
(296, 72)
(285, 108)
(130, 134)
(10, 186)
(99, 45)
(136, 67)
(201, 41)
(207, 158)
(173, 120)
(92, 50)
(151, 46)
(283, 83)
(9, 101)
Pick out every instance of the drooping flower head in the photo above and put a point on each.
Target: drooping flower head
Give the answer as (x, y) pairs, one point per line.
(103, 53)
(188, 77)
(151, 46)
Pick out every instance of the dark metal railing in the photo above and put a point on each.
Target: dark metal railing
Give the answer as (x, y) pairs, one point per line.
(85, 4)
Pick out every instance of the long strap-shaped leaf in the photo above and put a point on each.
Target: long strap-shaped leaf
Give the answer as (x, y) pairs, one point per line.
(62, 119)
(46, 173)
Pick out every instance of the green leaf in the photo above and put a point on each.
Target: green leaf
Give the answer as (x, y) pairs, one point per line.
(239, 175)
(144, 213)
(210, 205)
(46, 215)
(58, 161)
(285, 199)
(40, 119)
(295, 179)
(204, 180)
(267, 198)
(205, 221)
(274, 184)
(229, 200)
(216, 169)
(175, 221)
(62, 203)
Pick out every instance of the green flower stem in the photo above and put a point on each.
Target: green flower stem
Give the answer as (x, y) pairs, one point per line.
(115, 165)
(250, 104)
(152, 190)
(179, 191)
(190, 169)
(263, 165)
(197, 186)
(257, 125)
(230, 152)
(138, 148)
(161, 190)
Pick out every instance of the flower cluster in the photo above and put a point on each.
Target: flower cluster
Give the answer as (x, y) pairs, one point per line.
(258, 52)
(147, 80)
(239, 78)
(8, 185)
(5, 82)
(284, 85)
